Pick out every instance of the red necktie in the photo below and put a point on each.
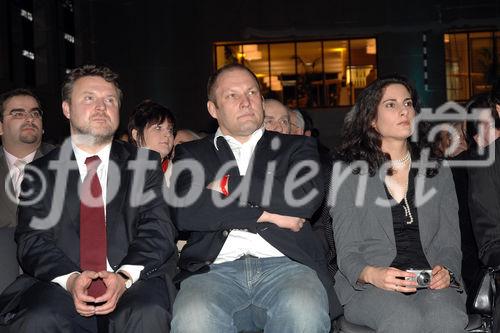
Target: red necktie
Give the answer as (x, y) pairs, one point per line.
(92, 226)
(164, 165)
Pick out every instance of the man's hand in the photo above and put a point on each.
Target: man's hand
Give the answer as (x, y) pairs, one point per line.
(440, 278)
(388, 278)
(77, 286)
(283, 221)
(115, 285)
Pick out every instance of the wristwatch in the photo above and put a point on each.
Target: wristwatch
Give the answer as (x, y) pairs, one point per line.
(128, 281)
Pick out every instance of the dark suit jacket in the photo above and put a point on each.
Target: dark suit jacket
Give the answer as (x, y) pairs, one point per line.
(8, 221)
(7, 207)
(484, 206)
(364, 232)
(209, 225)
(137, 234)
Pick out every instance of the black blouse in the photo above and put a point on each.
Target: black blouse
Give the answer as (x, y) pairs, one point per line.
(408, 245)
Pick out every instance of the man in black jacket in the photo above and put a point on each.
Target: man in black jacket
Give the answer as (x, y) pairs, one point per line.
(484, 196)
(252, 260)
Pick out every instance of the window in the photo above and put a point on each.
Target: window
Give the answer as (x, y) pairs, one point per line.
(472, 63)
(308, 74)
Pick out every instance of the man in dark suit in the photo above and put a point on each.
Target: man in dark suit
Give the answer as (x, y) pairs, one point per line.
(91, 265)
(252, 260)
(21, 132)
(484, 195)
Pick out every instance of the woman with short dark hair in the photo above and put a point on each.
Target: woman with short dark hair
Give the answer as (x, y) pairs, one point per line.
(152, 126)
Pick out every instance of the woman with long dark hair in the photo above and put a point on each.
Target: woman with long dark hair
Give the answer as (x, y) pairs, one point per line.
(395, 219)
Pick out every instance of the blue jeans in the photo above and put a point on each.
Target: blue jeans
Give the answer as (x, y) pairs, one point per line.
(274, 294)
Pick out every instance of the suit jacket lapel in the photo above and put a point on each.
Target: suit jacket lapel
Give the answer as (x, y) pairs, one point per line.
(428, 212)
(43, 149)
(38, 154)
(117, 157)
(262, 150)
(375, 188)
(225, 155)
(72, 200)
(4, 170)
(9, 216)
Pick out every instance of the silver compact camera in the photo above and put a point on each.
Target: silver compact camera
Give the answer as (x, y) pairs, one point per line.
(423, 277)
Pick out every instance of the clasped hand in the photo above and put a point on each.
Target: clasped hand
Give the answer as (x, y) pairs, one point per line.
(78, 285)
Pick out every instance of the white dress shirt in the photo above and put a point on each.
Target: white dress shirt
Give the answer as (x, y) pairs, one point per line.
(241, 242)
(102, 173)
(14, 171)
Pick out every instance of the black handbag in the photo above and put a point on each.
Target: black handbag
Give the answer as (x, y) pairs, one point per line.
(481, 298)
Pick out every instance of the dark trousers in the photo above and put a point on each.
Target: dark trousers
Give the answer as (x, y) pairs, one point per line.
(496, 313)
(46, 307)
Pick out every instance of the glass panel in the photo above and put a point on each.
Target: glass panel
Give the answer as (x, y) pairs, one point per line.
(497, 41)
(482, 70)
(310, 88)
(256, 58)
(283, 77)
(457, 66)
(219, 56)
(307, 74)
(363, 69)
(227, 54)
(336, 61)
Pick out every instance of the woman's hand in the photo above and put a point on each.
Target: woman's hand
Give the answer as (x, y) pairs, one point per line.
(440, 278)
(388, 278)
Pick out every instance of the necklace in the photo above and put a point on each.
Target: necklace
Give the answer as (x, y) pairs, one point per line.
(405, 205)
(402, 160)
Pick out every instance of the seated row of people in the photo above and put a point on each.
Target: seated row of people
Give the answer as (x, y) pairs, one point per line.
(97, 219)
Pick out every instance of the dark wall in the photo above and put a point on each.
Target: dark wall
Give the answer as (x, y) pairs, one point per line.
(47, 43)
(135, 39)
(163, 49)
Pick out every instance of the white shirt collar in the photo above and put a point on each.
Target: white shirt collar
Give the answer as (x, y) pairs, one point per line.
(254, 138)
(11, 159)
(81, 155)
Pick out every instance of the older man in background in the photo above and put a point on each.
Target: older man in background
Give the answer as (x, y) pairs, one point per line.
(276, 116)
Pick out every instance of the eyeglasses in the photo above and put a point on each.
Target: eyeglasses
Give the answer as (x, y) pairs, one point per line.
(272, 122)
(23, 114)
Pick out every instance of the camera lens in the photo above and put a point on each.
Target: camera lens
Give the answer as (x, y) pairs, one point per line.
(423, 279)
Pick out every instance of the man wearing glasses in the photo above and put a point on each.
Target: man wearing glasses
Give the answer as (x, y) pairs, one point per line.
(276, 117)
(21, 132)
